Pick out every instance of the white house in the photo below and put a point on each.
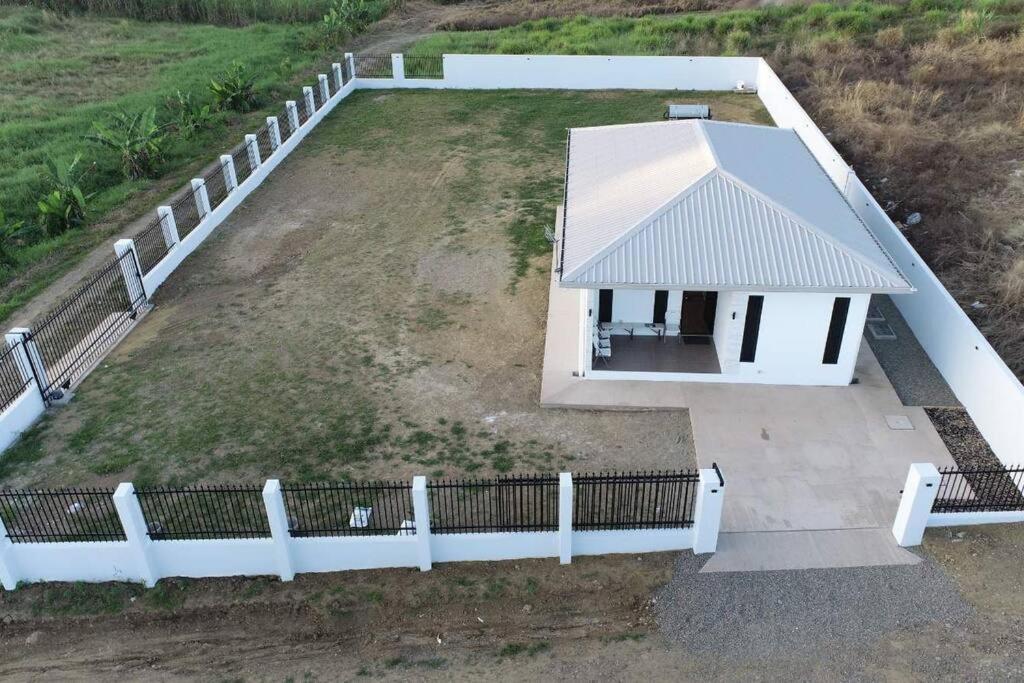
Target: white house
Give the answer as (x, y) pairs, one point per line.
(708, 251)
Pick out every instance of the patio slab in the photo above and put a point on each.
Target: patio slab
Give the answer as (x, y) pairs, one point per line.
(794, 458)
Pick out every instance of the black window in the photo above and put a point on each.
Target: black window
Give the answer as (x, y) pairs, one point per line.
(751, 328)
(836, 328)
(604, 306)
(660, 305)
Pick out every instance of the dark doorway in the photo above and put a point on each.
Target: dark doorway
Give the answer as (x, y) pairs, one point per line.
(604, 306)
(698, 314)
(660, 306)
(751, 329)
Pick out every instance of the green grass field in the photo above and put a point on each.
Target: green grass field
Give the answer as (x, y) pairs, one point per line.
(61, 74)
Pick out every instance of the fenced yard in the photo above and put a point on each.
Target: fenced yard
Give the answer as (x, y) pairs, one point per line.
(374, 310)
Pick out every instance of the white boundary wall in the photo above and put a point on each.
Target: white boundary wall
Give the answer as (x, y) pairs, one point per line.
(914, 514)
(141, 559)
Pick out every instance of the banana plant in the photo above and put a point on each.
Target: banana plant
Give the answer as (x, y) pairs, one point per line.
(63, 205)
(135, 137)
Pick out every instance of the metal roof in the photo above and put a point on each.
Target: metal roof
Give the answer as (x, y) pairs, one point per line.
(712, 205)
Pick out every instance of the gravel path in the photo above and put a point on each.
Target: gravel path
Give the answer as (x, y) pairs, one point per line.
(756, 615)
(961, 436)
(916, 380)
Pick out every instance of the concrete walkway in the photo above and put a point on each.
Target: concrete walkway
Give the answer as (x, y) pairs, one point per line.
(813, 460)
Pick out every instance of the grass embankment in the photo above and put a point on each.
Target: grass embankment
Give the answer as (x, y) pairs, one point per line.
(223, 12)
(923, 98)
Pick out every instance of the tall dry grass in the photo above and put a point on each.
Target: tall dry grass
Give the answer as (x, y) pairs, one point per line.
(938, 128)
(222, 12)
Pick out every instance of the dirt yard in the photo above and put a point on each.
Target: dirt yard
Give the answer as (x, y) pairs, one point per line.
(599, 618)
(375, 310)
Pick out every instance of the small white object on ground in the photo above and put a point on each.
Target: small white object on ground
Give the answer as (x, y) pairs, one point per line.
(899, 422)
(408, 528)
(360, 518)
(913, 219)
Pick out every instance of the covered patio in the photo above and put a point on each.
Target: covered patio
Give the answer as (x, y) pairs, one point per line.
(659, 354)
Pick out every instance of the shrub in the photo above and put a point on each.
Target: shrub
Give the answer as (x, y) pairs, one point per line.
(891, 37)
(63, 206)
(236, 89)
(135, 137)
(190, 115)
(851, 22)
(10, 231)
(737, 41)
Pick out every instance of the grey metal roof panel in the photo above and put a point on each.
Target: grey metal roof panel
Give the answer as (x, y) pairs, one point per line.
(750, 209)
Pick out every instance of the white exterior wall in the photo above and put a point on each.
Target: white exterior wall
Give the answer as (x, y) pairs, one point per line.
(791, 339)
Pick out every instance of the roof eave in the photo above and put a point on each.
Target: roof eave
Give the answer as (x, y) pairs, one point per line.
(750, 287)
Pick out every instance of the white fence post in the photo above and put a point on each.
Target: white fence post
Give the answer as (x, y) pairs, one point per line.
(131, 269)
(307, 97)
(134, 523)
(339, 79)
(227, 162)
(168, 225)
(707, 513)
(275, 133)
(254, 151)
(24, 335)
(13, 338)
(916, 503)
(565, 518)
(202, 197)
(8, 565)
(397, 67)
(421, 511)
(293, 115)
(325, 89)
(277, 516)
(350, 59)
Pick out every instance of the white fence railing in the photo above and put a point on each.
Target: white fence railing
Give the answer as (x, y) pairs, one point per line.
(142, 556)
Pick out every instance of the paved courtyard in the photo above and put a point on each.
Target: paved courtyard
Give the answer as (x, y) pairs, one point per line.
(813, 474)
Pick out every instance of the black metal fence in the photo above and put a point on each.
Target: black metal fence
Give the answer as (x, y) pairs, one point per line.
(60, 516)
(242, 161)
(151, 245)
(264, 143)
(373, 66)
(284, 125)
(349, 509)
(642, 500)
(424, 66)
(199, 512)
(15, 375)
(87, 323)
(186, 213)
(980, 490)
(511, 503)
(346, 73)
(318, 95)
(216, 186)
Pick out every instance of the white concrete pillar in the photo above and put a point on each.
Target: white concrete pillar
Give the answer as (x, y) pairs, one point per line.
(131, 269)
(421, 511)
(168, 225)
(565, 518)
(31, 349)
(202, 197)
(397, 67)
(339, 78)
(275, 133)
(707, 513)
(325, 90)
(307, 96)
(916, 503)
(253, 148)
(350, 59)
(139, 543)
(277, 516)
(227, 163)
(15, 339)
(9, 574)
(293, 114)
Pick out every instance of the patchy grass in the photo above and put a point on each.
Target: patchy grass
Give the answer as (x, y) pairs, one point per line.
(336, 329)
(61, 74)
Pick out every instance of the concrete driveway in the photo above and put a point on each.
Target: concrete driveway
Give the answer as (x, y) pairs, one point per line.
(813, 474)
